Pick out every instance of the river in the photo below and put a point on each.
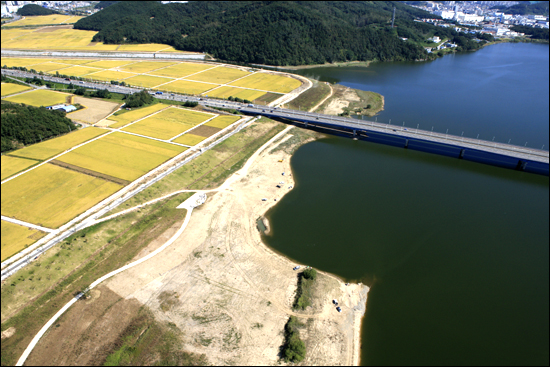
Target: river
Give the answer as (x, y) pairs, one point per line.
(456, 252)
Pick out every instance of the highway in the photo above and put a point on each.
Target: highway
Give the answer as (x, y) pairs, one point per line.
(311, 119)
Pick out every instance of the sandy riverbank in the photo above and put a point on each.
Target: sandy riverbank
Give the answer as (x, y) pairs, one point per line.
(223, 288)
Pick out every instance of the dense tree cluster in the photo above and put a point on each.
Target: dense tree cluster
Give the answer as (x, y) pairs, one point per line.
(104, 4)
(28, 125)
(525, 7)
(275, 33)
(535, 33)
(138, 99)
(294, 348)
(33, 9)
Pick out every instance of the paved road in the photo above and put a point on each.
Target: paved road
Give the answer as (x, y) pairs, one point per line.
(25, 224)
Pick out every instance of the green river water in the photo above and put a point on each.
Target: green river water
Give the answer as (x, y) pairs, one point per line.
(455, 252)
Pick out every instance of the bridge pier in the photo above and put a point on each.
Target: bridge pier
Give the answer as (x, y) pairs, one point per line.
(521, 165)
(406, 143)
(461, 155)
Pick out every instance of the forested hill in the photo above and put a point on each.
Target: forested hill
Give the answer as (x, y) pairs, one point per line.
(274, 33)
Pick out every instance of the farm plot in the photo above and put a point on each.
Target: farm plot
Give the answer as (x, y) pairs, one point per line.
(219, 75)
(147, 81)
(109, 75)
(183, 69)
(15, 238)
(125, 117)
(189, 139)
(270, 82)
(46, 19)
(60, 38)
(145, 66)
(39, 98)
(95, 110)
(6, 61)
(10, 88)
(51, 196)
(168, 123)
(108, 64)
(187, 87)
(72, 61)
(221, 122)
(76, 70)
(122, 155)
(225, 92)
(49, 67)
(13, 165)
(52, 147)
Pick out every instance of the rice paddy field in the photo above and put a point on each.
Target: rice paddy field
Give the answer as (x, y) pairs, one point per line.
(51, 196)
(10, 88)
(187, 87)
(108, 75)
(226, 92)
(122, 155)
(13, 165)
(40, 97)
(219, 75)
(147, 81)
(183, 69)
(46, 19)
(76, 70)
(222, 122)
(189, 139)
(52, 147)
(130, 116)
(168, 123)
(145, 66)
(108, 64)
(15, 238)
(269, 82)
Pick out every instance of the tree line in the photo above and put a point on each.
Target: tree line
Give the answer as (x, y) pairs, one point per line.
(33, 9)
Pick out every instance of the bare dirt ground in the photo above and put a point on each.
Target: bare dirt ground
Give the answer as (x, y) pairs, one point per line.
(226, 291)
(343, 98)
(96, 110)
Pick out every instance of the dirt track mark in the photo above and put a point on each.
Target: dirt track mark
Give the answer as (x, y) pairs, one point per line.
(89, 172)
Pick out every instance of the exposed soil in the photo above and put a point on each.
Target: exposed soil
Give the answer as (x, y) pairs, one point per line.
(54, 28)
(89, 172)
(95, 110)
(205, 131)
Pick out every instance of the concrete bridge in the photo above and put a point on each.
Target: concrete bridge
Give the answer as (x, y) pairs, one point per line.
(482, 151)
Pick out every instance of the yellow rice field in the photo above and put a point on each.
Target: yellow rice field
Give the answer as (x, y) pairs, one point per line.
(52, 147)
(182, 69)
(187, 87)
(51, 195)
(15, 238)
(13, 165)
(147, 81)
(222, 122)
(39, 98)
(108, 64)
(10, 88)
(76, 70)
(168, 123)
(189, 139)
(136, 114)
(270, 82)
(226, 91)
(46, 19)
(49, 66)
(109, 75)
(122, 155)
(145, 66)
(53, 38)
(219, 75)
(8, 61)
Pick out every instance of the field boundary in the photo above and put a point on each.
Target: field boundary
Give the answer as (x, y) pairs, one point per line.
(89, 172)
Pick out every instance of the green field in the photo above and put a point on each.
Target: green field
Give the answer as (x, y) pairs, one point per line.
(51, 196)
(225, 92)
(219, 75)
(10, 88)
(13, 165)
(222, 122)
(145, 66)
(181, 70)
(147, 81)
(187, 87)
(39, 98)
(269, 82)
(122, 155)
(168, 123)
(133, 115)
(189, 139)
(15, 238)
(52, 147)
